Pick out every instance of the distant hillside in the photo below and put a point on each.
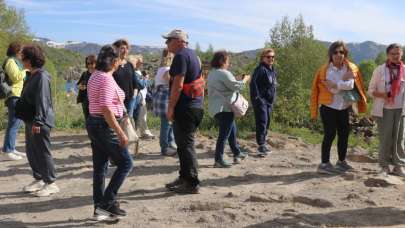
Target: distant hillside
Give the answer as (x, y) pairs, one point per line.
(363, 51)
(92, 48)
(359, 51)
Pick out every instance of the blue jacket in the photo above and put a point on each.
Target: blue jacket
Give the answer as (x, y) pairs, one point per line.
(263, 85)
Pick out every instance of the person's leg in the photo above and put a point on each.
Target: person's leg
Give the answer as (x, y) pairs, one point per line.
(328, 116)
(385, 131)
(398, 155)
(224, 120)
(141, 120)
(343, 130)
(232, 139)
(13, 125)
(164, 133)
(42, 145)
(261, 123)
(30, 150)
(186, 123)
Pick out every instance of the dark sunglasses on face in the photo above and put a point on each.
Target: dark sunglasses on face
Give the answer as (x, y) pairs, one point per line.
(338, 52)
(270, 56)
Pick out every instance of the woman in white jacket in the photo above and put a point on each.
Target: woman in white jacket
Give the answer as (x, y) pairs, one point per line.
(387, 90)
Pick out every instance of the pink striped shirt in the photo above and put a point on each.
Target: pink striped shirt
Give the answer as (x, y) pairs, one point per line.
(102, 92)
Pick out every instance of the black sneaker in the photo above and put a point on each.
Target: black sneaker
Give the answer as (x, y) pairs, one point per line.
(170, 186)
(187, 188)
(113, 209)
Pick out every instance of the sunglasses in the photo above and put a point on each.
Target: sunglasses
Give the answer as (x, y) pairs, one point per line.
(338, 52)
(270, 56)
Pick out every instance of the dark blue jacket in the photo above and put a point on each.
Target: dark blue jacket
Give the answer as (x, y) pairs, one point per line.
(263, 85)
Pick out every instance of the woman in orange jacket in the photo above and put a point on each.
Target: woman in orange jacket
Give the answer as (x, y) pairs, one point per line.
(336, 86)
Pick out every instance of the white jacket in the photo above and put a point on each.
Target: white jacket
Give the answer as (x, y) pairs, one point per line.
(377, 83)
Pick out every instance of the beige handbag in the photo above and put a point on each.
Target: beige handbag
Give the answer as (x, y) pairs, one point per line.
(126, 124)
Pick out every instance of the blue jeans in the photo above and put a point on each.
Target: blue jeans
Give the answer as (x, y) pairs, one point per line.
(12, 126)
(105, 145)
(166, 134)
(227, 131)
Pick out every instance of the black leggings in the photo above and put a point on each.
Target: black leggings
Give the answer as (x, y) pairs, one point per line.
(334, 120)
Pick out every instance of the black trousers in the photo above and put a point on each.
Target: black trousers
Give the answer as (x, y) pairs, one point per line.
(38, 149)
(262, 119)
(185, 125)
(334, 121)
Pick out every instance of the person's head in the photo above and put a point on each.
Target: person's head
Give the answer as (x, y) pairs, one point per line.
(33, 57)
(14, 49)
(123, 47)
(166, 59)
(267, 56)
(136, 60)
(338, 53)
(107, 59)
(91, 62)
(394, 53)
(176, 40)
(220, 60)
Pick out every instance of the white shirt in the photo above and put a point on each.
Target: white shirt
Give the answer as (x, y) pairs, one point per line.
(159, 76)
(335, 75)
(399, 99)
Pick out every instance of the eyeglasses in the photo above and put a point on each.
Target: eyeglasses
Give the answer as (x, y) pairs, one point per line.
(270, 56)
(339, 52)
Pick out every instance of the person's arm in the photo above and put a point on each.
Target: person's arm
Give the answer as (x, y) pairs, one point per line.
(254, 90)
(176, 88)
(314, 95)
(166, 76)
(113, 123)
(13, 71)
(372, 87)
(138, 82)
(345, 84)
(231, 83)
(178, 69)
(42, 102)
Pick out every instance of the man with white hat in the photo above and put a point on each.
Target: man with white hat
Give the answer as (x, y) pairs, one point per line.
(185, 108)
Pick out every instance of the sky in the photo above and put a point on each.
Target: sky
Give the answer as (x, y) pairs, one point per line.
(231, 25)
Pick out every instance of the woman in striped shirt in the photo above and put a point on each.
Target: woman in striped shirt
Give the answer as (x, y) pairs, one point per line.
(108, 140)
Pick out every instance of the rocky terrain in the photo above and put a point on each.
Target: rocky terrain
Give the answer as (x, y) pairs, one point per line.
(281, 190)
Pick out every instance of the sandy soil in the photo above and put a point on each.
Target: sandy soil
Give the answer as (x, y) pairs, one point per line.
(281, 190)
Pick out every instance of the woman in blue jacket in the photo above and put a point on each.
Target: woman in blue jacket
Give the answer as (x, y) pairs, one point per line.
(262, 95)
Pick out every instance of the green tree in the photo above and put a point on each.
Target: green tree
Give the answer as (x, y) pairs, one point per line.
(381, 58)
(12, 21)
(366, 68)
(298, 56)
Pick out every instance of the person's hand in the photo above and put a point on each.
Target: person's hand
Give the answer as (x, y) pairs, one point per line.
(123, 139)
(146, 76)
(170, 114)
(35, 129)
(348, 76)
(246, 78)
(82, 87)
(329, 84)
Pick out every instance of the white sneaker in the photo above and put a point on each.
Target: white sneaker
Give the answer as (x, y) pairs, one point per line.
(102, 215)
(34, 186)
(20, 153)
(11, 156)
(47, 190)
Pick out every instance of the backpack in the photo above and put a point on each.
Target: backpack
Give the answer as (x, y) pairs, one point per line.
(5, 84)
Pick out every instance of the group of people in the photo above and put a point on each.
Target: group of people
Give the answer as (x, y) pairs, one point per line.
(107, 93)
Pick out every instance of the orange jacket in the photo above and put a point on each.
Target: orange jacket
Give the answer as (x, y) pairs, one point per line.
(321, 95)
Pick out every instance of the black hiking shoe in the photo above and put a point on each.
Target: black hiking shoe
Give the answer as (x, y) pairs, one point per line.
(187, 188)
(172, 185)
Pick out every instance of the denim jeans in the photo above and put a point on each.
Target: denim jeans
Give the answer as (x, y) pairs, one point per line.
(166, 134)
(12, 126)
(105, 146)
(38, 149)
(227, 131)
(184, 128)
(262, 112)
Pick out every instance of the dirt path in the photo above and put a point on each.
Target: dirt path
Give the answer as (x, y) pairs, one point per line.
(281, 190)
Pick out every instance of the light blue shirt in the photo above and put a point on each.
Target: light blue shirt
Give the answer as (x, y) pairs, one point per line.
(222, 90)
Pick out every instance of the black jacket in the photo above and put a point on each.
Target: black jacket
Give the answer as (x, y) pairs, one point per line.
(263, 85)
(37, 93)
(82, 95)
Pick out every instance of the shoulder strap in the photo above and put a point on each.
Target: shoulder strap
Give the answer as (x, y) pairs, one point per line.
(122, 103)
